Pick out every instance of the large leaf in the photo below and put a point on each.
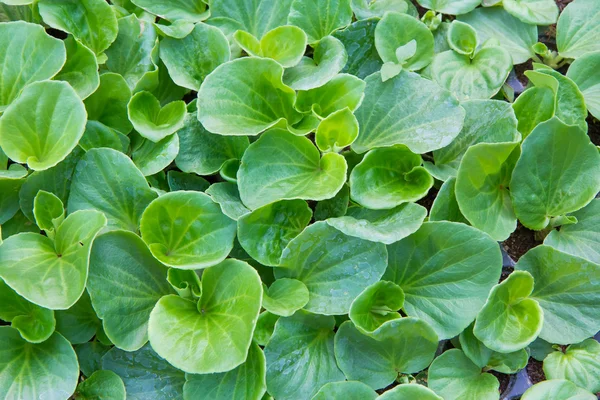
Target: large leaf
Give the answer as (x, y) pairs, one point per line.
(319, 18)
(446, 271)
(300, 356)
(108, 181)
(454, 7)
(246, 382)
(93, 22)
(81, 68)
(335, 267)
(557, 389)
(43, 125)
(364, 9)
(187, 230)
(580, 363)
(349, 390)
(108, 104)
(192, 11)
(535, 12)
(566, 289)
(153, 121)
(46, 370)
(405, 345)
(45, 58)
(541, 190)
(359, 41)
(577, 28)
(52, 274)
(125, 283)
(215, 334)
(409, 110)
(281, 166)
(584, 72)
(259, 101)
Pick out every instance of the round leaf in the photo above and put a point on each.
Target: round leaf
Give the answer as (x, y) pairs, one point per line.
(337, 131)
(534, 12)
(105, 385)
(580, 364)
(319, 18)
(557, 389)
(453, 7)
(577, 28)
(409, 392)
(349, 390)
(153, 121)
(377, 304)
(285, 297)
(284, 44)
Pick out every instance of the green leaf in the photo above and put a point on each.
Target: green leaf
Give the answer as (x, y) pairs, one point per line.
(445, 207)
(508, 363)
(11, 182)
(388, 177)
(91, 21)
(265, 327)
(377, 304)
(337, 131)
(42, 139)
(49, 212)
(105, 385)
(192, 336)
(266, 231)
(408, 392)
(462, 38)
(145, 374)
(17, 12)
(516, 36)
(108, 104)
(334, 207)
(434, 267)
(46, 370)
(364, 9)
(557, 389)
(535, 12)
(90, 355)
(539, 349)
(108, 181)
(192, 11)
(404, 345)
(79, 323)
(580, 239)
(29, 262)
(246, 382)
(153, 121)
(45, 58)
(34, 323)
(132, 54)
(80, 69)
(454, 376)
(359, 41)
(582, 72)
(125, 283)
(474, 348)
(533, 106)
(281, 166)
(552, 189)
(98, 135)
(349, 390)
(284, 44)
(190, 59)
(336, 268)
(300, 356)
(343, 91)
(480, 77)
(509, 320)
(151, 157)
(453, 7)
(187, 230)
(565, 288)
(183, 181)
(580, 364)
(320, 18)
(227, 196)
(260, 99)
(577, 28)
(397, 112)
(285, 297)
(385, 226)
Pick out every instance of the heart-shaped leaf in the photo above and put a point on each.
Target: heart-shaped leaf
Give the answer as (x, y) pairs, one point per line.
(557, 389)
(579, 364)
(337, 131)
(153, 121)
(285, 296)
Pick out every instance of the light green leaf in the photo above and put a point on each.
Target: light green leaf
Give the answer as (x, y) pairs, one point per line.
(49, 212)
(145, 374)
(300, 356)
(580, 364)
(153, 121)
(320, 18)
(580, 239)
(45, 58)
(409, 110)
(266, 231)
(577, 28)
(509, 320)
(359, 41)
(343, 91)
(388, 177)
(284, 44)
(42, 139)
(285, 296)
(175, 10)
(190, 59)
(46, 370)
(434, 267)
(79, 323)
(552, 189)
(337, 131)
(105, 385)
(265, 327)
(227, 196)
(281, 166)
(408, 392)
(34, 323)
(377, 304)
(445, 207)
(453, 7)
(533, 106)
(246, 382)
(151, 157)
(51, 274)
(260, 99)
(23, 12)
(454, 376)
(462, 38)
(557, 389)
(108, 104)
(192, 336)
(336, 268)
(516, 36)
(364, 9)
(132, 54)
(566, 289)
(534, 12)
(404, 345)
(98, 135)
(349, 390)
(385, 226)
(108, 181)
(584, 72)
(92, 22)
(80, 69)
(508, 363)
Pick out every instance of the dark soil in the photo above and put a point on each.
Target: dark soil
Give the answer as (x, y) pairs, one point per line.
(506, 271)
(535, 371)
(390, 387)
(594, 130)
(503, 379)
(562, 3)
(520, 71)
(427, 201)
(520, 242)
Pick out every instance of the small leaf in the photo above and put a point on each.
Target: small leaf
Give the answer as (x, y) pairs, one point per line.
(462, 38)
(408, 392)
(285, 296)
(108, 104)
(342, 91)
(320, 18)
(227, 196)
(101, 384)
(184, 181)
(153, 121)
(376, 305)
(80, 69)
(337, 131)
(284, 44)
(349, 390)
